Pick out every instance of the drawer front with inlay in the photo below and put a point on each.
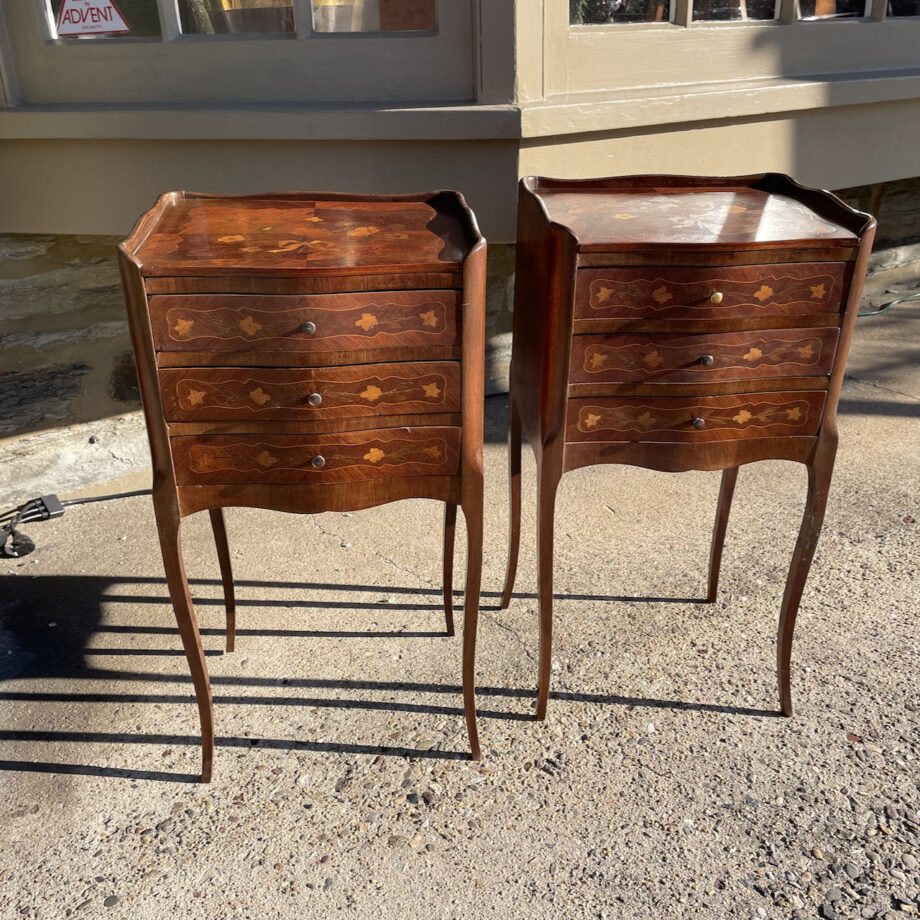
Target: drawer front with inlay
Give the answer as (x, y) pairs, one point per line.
(304, 324)
(348, 456)
(286, 394)
(710, 293)
(695, 419)
(702, 358)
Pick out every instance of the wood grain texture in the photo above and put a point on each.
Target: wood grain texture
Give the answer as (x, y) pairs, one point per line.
(735, 324)
(361, 423)
(341, 322)
(274, 394)
(209, 459)
(678, 257)
(322, 284)
(702, 359)
(686, 293)
(304, 234)
(642, 418)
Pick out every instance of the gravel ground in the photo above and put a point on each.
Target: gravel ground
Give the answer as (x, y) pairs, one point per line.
(663, 782)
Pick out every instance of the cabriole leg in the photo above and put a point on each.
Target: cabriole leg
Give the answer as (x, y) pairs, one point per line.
(726, 492)
(514, 505)
(226, 573)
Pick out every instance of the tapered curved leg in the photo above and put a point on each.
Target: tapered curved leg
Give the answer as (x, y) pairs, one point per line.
(819, 481)
(726, 492)
(450, 530)
(546, 510)
(226, 572)
(170, 546)
(472, 512)
(514, 507)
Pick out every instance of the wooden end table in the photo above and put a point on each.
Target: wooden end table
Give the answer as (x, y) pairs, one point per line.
(680, 323)
(307, 353)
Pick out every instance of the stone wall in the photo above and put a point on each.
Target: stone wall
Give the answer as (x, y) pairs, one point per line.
(68, 392)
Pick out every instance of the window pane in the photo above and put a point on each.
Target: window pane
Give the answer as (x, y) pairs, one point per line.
(374, 15)
(83, 20)
(220, 17)
(599, 12)
(904, 8)
(831, 9)
(722, 10)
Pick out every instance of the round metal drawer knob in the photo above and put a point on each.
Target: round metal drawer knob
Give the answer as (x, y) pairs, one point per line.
(715, 297)
(699, 423)
(314, 399)
(707, 360)
(308, 328)
(318, 462)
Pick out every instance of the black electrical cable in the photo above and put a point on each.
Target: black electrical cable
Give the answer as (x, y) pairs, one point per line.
(104, 498)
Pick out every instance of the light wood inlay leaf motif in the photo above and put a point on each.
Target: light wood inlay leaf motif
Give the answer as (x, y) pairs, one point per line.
(234, 238)
(742, 417)
(754, 354)
(322, 245)
(653, 359)
(736, 209)
(374, 455)
(646, 420)
(251, 249)
(764, 292)
(258, 395)
(794, 414)
(805, 351)
(287, 246)
(602, 294)
(266, 459)
(195, 397)
(432, 390)
(817, 291)
(624, 216)
(595, 361)
(590, 420)
(364, 231)
(434, 452)
(249, 325)
(662, 294)
(183, 326)
(372, 393)
(429, 318)
(367, 321)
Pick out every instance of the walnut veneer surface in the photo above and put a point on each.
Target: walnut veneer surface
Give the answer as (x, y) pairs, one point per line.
(681, 323)
(309, 352)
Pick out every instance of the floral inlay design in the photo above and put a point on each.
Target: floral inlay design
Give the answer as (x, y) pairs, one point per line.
(434, 452)
(742, 417)
(794, 414)
(765, 292)
(364, 231)
(367, 321)
(429, 318)
(646, 420)
(602, 295)
(653, 359)
(183, 326)
(259, 396)
(662, 295)
(287, 246)
(234, 238)
(195, 397)
(817, 291)
(595, 361)
(806, 351)
(591, 420)
(266, 459)
(249, 325)
(432, 390)
(371, 393)
(754, 354)
(374, 455)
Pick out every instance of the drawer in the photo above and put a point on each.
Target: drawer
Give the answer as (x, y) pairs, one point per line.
(702, 358)
(305, 324)
(285, 394)
(711, 293)
(348, 456)
(753, 415)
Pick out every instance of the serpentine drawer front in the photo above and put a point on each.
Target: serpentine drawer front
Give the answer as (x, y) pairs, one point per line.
(309, 353)
(680, 323)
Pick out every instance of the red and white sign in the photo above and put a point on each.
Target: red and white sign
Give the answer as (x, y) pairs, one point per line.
(90, 17)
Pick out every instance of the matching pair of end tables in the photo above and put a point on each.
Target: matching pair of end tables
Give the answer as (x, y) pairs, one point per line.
(324, 352)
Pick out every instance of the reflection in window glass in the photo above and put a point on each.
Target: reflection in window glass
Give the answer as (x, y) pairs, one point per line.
(904, 8)
(831, 9)
(721, 10)
(141, 16)
(374, 15)
(597, 12)
(220, 17)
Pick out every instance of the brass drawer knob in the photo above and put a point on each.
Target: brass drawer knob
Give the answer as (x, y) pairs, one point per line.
(699, 423)
(707, 360)
(318, 462)
(308, 328)
(715, 297)
(314, 399)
